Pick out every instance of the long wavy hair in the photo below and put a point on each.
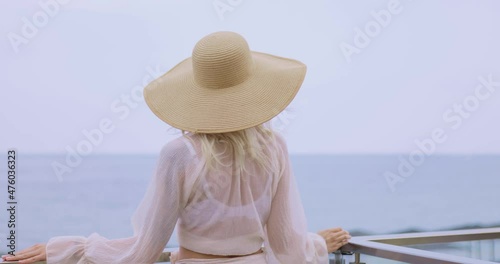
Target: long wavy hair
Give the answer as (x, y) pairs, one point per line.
(256, 143)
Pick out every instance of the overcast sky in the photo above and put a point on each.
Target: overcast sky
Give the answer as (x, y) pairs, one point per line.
(381, 74)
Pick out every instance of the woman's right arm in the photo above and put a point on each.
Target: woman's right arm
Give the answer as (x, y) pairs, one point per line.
(287, 234)
(288, 238)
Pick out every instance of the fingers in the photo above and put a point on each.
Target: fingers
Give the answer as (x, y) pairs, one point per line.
(337, 246)
(25, 255)
(335, 238)
(28, 255)
(26, 250)
(25, 258)
(340, 235)
(344, 235)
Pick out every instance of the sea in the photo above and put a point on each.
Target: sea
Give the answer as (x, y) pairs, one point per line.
(101, 193)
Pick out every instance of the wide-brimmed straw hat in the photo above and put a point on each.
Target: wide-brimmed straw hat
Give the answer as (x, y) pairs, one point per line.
(224, 87)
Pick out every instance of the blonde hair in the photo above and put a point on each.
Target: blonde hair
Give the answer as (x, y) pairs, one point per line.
(256, 143)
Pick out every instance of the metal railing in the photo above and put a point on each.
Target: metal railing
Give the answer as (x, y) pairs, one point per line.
(392, 247)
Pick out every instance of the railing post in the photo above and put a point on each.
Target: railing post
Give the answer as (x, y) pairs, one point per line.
(357, 259)
(345, 257)
(337, 259)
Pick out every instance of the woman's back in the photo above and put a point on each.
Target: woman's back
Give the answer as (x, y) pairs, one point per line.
(227, 208)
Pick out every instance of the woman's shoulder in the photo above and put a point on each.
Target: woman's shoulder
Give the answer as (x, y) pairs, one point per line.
(280, 140)
(179, 147)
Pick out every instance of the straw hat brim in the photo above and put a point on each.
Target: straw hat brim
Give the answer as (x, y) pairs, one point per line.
(178, 100)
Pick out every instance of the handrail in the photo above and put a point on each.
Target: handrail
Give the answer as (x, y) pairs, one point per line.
(391, 246)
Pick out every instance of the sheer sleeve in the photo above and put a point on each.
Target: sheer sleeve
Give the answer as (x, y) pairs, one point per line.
(287, 238)
(153, 221)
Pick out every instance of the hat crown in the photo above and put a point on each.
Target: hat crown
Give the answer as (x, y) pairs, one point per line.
(221, 59)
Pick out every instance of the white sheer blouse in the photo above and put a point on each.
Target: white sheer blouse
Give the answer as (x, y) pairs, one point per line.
(223, 212)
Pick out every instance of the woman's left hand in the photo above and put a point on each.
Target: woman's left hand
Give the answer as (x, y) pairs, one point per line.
(29, 255)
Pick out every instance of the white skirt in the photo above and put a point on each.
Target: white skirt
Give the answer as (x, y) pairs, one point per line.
(253, 259)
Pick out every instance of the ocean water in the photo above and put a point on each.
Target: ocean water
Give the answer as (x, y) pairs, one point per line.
(349, 191)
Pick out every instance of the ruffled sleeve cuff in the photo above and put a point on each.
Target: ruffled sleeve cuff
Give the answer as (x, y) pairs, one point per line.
(66, 249)
(319, 252)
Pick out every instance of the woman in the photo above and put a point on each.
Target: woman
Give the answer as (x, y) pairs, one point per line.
(227, 181)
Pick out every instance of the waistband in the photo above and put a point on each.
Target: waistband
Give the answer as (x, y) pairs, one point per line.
(254, 259)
